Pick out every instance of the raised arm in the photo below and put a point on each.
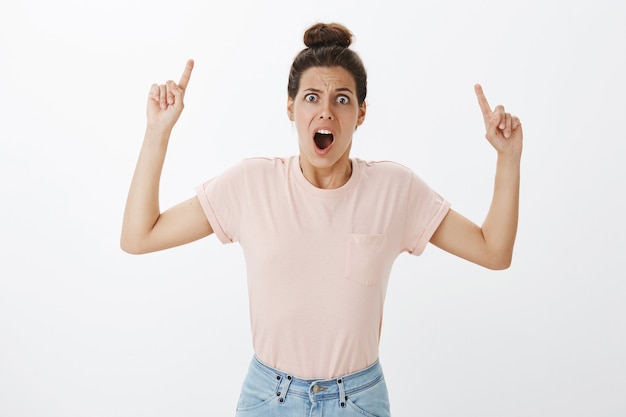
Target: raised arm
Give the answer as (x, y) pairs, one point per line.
(144, 227)
(490, 245)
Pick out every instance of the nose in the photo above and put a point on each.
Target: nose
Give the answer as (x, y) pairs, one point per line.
(326, 112)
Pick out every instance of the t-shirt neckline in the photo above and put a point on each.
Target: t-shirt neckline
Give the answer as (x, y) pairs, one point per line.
(328, 193)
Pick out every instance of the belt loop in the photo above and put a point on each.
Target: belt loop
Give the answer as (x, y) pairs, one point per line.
(283, 387)
(342, 393)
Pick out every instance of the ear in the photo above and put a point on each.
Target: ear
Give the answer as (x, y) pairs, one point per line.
(290, 109)
(362, 111)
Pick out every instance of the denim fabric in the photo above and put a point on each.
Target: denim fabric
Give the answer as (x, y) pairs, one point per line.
(268, 392)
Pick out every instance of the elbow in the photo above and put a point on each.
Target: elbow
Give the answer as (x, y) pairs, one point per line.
(500, 266)
(131, 246)
(499, 262)
(128, 248)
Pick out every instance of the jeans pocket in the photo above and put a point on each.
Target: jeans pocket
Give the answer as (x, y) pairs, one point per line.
(365, 260)
(372, 402)
(257, 391)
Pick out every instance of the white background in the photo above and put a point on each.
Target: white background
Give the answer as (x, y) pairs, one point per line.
(87, 330)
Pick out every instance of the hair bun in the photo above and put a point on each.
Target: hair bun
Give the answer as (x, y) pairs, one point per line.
(327, 34)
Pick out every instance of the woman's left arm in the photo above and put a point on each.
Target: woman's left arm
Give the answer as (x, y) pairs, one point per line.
(490, 245)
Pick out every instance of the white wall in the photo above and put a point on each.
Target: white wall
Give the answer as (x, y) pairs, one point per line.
(87, 330)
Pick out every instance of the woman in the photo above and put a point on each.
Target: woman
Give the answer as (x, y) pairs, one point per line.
(320, 232)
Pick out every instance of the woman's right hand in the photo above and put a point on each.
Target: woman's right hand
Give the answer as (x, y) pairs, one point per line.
(145, 228)
(165, 101)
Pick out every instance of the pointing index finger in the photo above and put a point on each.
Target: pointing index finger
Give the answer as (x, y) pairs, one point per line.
(184, 79)
(482, 102)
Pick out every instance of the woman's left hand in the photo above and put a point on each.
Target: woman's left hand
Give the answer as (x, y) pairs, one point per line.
(503, 130)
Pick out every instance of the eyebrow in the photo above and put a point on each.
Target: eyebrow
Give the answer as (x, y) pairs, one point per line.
(339, 90)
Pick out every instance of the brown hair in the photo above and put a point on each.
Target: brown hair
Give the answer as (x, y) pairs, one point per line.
(327, 46)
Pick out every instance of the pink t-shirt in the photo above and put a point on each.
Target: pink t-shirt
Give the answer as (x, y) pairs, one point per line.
(318, 260)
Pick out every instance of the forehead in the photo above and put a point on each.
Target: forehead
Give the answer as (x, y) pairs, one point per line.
(327, 78)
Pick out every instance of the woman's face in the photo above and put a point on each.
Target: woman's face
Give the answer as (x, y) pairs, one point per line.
(326, 113)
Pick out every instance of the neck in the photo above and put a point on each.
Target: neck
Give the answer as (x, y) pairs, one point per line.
(327, 178)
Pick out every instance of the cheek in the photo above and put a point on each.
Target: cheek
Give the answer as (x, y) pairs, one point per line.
(349, 116)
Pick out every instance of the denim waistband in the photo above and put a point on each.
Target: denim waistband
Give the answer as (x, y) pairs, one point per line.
(320, 389)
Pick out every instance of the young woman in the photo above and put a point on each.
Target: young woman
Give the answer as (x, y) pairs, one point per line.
(320, 232)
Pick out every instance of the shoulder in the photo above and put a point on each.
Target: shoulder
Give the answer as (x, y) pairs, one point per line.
(257, 171)
(258, 166)
(383, 166)
(393, 176)
(389, 170)
(260, 163)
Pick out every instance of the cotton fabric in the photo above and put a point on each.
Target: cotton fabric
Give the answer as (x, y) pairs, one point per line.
(318, 260)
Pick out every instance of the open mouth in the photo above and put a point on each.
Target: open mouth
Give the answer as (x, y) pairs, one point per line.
(323, 139)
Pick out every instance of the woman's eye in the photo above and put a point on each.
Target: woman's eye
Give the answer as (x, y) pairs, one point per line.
(343, 100)
(310, 98)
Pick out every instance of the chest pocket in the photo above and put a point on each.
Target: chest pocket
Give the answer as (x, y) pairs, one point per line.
(365, 259)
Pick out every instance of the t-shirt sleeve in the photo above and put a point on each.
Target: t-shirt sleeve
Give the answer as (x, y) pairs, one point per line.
(426, 209)
(221, 199)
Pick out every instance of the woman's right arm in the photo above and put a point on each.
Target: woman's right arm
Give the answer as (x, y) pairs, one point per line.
(145, 228)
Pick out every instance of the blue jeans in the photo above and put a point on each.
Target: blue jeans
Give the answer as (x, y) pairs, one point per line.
(268, 392)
